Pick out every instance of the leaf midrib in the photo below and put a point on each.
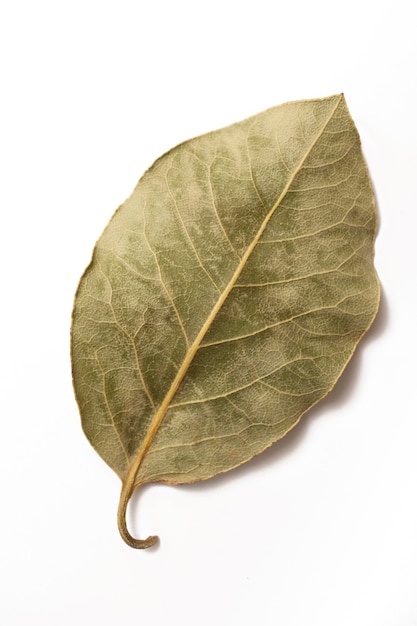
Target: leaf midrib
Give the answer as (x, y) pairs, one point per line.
(165, 405)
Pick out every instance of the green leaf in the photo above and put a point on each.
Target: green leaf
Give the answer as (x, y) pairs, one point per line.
(226, 296)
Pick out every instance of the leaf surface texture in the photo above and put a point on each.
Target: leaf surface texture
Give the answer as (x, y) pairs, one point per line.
(227, 294)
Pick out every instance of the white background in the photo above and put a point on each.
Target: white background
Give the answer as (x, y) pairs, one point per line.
(321, 529)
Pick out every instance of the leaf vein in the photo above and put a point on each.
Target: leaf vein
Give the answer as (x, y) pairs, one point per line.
(164, 286)
(279, 323)
(187, 234)
(298, 278)
(242, 387)
(131, 339)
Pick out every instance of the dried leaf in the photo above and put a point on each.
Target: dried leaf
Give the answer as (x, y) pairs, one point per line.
(226, 296)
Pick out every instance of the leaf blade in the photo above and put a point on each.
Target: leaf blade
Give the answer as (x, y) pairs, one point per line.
(200, 240)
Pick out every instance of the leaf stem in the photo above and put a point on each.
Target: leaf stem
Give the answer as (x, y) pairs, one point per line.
(125, 495)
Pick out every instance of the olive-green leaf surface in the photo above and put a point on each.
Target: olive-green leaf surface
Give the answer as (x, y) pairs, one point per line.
(226, 296)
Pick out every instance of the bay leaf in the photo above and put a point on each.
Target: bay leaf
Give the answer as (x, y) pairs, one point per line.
(226, 296)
